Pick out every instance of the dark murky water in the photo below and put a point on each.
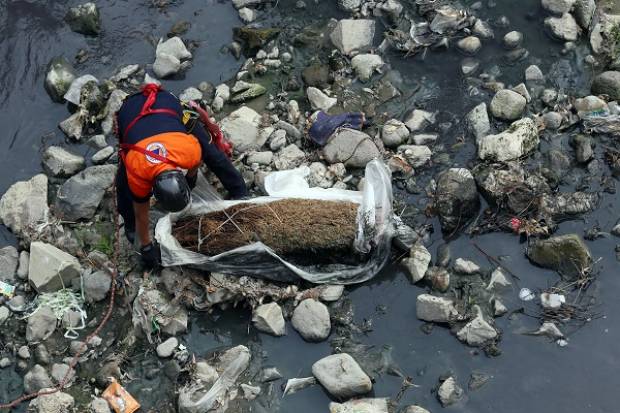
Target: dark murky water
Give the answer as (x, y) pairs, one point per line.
(532, 374)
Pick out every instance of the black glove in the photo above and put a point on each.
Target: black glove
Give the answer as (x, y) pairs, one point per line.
(191, 180)
(151, 255)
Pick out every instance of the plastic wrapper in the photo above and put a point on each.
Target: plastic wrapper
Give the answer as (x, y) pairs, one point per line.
(373, 235)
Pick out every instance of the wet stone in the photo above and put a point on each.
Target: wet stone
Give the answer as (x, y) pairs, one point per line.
(558, 6)
(417, 263)
(552, 120)
(4, 314)
(518, 140)
(40, 325)
(566, 254)
(99, 405)
(311, 319)
(415, 409)
(477, 380)
(466, 267)
(37, 379)
(456, 199)
(478, 121)
(512, 40)
(534, 74)
(268, 318)
(607, 83)
(499, 280)
(435, 309)
(449, 392)
(564, 28)
(469, 45)
(341, 376)
(361, 406)
(394, 133)
(353, 35)
(167, 348)
(478, 331)
(439, 278)
(5, 362)
(84, 19)
(331, 293)
(9, 259)
(469, 66)
(507, 105)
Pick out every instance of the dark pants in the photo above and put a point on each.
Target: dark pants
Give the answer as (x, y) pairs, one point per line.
(213, 158)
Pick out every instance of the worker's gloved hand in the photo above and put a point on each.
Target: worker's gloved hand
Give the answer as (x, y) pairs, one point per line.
(151, 255)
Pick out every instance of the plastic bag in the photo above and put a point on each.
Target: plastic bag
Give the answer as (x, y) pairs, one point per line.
(373, 238)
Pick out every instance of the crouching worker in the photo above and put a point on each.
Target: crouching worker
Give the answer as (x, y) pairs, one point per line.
(160, 155)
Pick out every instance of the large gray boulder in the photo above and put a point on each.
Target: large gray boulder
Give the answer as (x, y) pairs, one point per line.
(518, 140)
(241, 128)
(341, 376)
(394, 133)
(365, 65)
(352, 147)
(37, 379)
(417, 263)
(58, 79)
(351, 36)
(564, 28)
(456, 198)
(558, 6)
(584, 12)
(508, 105)
(24, 205)
(59, 162)
(607, 83)
(169, 55)
(84, 19)
(360, 406)
(80, 196)
(50, 268)
(319, 100)
(9, 258)
(435, 309)
(57, 402)
(96, 286)
(41, 325)
(311, 320)
(566, 254)
(268, 318)
(478, 121)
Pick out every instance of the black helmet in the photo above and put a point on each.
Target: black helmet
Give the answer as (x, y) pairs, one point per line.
(171, 190)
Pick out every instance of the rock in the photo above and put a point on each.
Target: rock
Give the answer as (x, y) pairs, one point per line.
(507, 105)
(435, 309)
(24, 204)
(607, 83)
(4, 314)
(456, 198)
(311, 320)
(550, 330)
(166, 65)
(449, 392)
(512, 40)
(365, 65)
(483, 30)
(534, 74)
(415, 409)
(439, 278)
(61, 163)
(41, 355)
(22, 269)
(418, 262)
(114, 103)
(60, 75)
(247, 15)
(5, 362)
(41, 325)
(499, 309)
(169, 315)
(564, 28)
(469, 66)
(320, 100)
(591, 106)
(268, 318)
(248, 91)
(250, 392)
(518, 140)
(422, 139)
(80, 196)
(84, 19)
(99, 405)
(478, 331)
(549, 97)
(166, 349)
(241, 128)
(239, 4)
(558, 6)
(103, 155)
(349, 5)
(277, 140)
(261, 158)
(583, 148)
(566, 254)
(17, 304)
(466, 267)
(394, 133)
(60, 371)
(72, 126)
(360, 406)
(416, 155)
(351, 147)
(57, 402)
(584, 12)
(289, 157)
(522, 90)
(96, 286)
(351, 36)
(552, 120)
(175, 47)
(98, 141)
(478, 121)
(290, 130)
(419, 119)
(469, 45)
(331, 293)
(9, 259)
(206, 372)
(341, 376)
(191, 93)
(37, 379)
(23, 352)
(51, 268)
(498, 280)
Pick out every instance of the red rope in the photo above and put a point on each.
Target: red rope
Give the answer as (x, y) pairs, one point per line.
(114, 273)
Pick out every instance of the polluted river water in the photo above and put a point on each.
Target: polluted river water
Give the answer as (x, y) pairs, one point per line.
(532, 373)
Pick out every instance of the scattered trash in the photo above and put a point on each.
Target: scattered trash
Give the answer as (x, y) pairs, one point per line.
(550, 300)
(325, 125)
(7, 290)
(62, 302)
(562, 342)
(526, 294)
(119, 399)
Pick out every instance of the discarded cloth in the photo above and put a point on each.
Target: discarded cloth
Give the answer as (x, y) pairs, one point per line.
(325, 125)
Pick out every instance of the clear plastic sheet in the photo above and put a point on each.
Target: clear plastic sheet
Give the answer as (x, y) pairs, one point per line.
(373, 238)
